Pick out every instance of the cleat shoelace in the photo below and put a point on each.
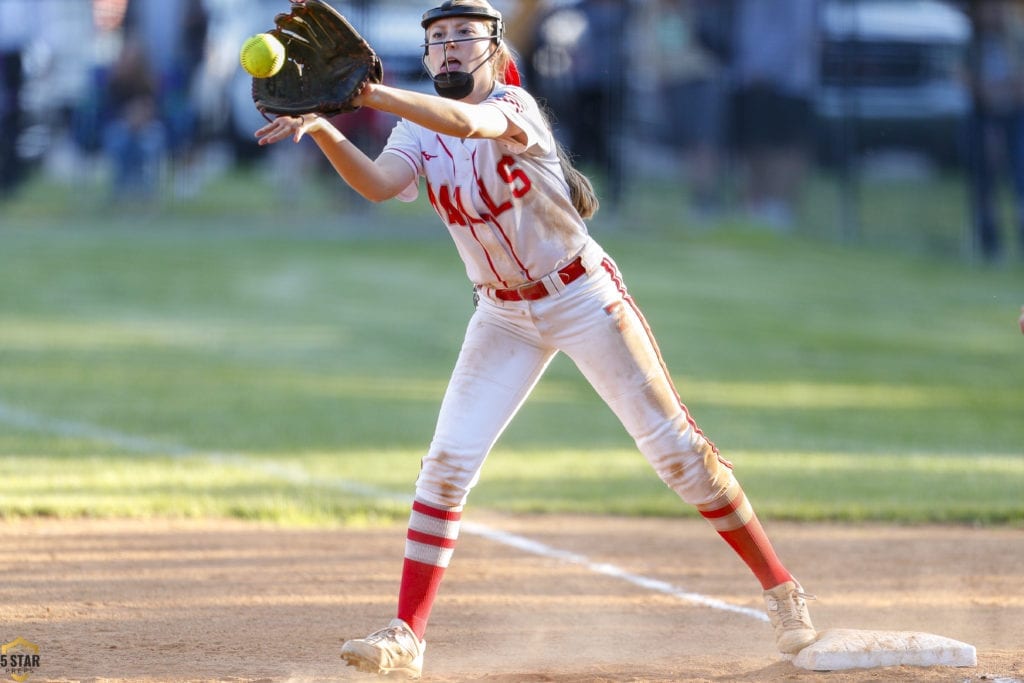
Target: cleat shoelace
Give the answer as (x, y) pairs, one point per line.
(793, 612)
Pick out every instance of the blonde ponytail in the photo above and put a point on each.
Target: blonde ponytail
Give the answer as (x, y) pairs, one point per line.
(581, 190)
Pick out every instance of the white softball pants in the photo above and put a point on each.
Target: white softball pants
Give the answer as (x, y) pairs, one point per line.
(507, 347)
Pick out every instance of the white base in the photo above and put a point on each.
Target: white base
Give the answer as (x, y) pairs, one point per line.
(844, 648)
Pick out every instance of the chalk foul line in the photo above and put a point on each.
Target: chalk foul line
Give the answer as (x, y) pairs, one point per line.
(654, 585)
(296, 474)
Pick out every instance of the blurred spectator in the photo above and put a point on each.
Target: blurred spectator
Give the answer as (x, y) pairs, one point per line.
(521, 27)
(15, 31)
(108, 15)
(775, 68)
(89, 114)
(681, 42)
(173, 34)
(134, 137)
(599, 66)
(997, 119)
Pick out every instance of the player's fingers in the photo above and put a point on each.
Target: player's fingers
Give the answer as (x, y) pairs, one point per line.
(272, 135)
(265, 130)
(266, 135)
(279, 129)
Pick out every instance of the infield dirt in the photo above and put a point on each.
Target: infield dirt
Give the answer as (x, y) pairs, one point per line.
(160, 600)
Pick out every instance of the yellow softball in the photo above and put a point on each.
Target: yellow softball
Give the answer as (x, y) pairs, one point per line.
(262, 55)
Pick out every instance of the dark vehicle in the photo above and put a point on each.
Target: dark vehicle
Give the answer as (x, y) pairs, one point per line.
(891, 77)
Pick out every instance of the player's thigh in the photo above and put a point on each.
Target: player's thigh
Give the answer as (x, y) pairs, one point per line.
(620, 358)
(499, 364)
(616, 351)
(497, 367)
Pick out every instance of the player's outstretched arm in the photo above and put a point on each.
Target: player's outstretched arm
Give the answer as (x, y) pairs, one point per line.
(445, 116)
(375, 180)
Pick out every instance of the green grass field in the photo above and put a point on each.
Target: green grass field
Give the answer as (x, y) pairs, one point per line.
(227, 357)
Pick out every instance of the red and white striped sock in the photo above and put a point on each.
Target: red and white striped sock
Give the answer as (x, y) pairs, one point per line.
(735, 521)
(429, 544)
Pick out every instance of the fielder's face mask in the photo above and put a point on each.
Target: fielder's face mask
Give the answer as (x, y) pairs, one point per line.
(458, 84)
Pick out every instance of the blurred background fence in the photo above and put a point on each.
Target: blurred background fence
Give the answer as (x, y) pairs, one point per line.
(891, 123)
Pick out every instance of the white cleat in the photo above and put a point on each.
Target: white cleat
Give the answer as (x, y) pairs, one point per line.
(787, 609)
(391, 650)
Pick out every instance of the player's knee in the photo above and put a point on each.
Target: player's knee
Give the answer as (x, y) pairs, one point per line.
(695, 490)
(444, 479)
(698, 479)
(443, 495)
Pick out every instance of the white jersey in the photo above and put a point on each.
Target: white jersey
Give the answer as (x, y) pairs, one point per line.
(505, 203)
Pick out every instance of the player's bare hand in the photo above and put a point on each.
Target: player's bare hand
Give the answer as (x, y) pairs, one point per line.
(284, 127)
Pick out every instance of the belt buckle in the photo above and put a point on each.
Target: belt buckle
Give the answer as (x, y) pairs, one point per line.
(552, 283)
(509, 293)
(521, 290)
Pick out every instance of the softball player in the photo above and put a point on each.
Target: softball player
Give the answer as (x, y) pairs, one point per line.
(515, 208)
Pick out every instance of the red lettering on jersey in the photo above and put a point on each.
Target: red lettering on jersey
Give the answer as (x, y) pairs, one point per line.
(451, 208)
(433, 200)
(515, 177)
(495, 209)
(466, 215)
(445, 207)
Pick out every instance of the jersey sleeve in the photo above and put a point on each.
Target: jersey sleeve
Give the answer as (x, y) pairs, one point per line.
(521, 109)
(405, 144)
